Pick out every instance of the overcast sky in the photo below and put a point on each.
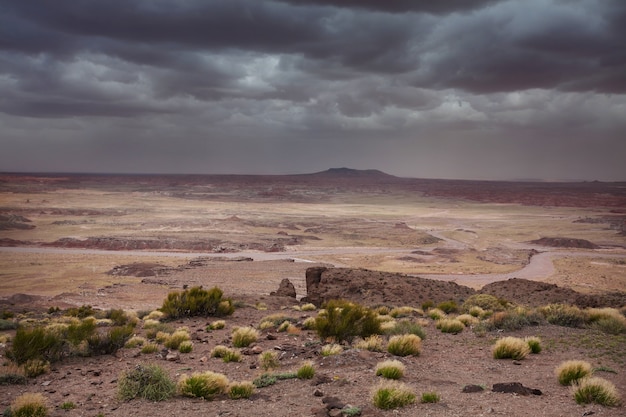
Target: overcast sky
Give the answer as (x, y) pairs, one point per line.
(477, 89)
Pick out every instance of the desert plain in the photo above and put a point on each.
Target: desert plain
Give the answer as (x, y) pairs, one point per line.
(126, 241)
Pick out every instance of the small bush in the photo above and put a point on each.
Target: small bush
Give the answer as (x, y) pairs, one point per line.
(404, 311)
(309, 323)
(607, 320)
(306, 371)
(448, 306)
(406, 327)
(186, 346)
(216, 325)
(268, 360)
(231, 356)
(453, 326)
(534, 343)
(120, 317)
(569, 372)
(35, 343)
(468, 320)
(391, 395)
(110, 342)
(308, 307)
(392, 369)
(510, 348)
(476, 311)
(36, 367)
(67, 405)
(240, 390)
(135, 341)
(331, 349)
(150, 348)
(7, 324)
(244, 336)
(344, 320)
(430, 397)
(485, 302)
(76, 333)
(515, 319)
(404, 345)
(374, 343)
(29, 405)
(150, 382)
(80, 312)
(264, 380)
(219, 351)
(176, 338)
(564, 315)
(283, 327)
(596, 390)
(197, 301)
(13, 378)
(154, 315)
(205, 385)
(436, 314)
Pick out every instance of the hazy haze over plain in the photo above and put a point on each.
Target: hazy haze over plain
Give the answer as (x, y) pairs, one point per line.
(480, 89)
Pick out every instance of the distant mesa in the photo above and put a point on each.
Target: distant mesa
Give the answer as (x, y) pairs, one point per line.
(352, 173)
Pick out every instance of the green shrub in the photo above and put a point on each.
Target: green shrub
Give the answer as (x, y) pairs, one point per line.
(7, 324)
(398, 312)
(219, 351)
(392, 395)
(448, 306)
(35, 367)
(374, 343)
(244, 336)
(35, 343)
(80, 312)
(607, 320)
(453, 326)
(534, 343)
(404, 345)
(176, 338)
(430, 397)
(111, 341)
(269, 360)
(239, 390)
(476, 311)
(596, 390)
(510, 348)
(436, 314)
(564, 315)
(231, 356)
(150, 348)
(306, 371)
(67, 405)
(264, 380)
(514, 319)
(119, 317)
(185, 346)
(485, 302)
(391, 369)
(428, 304)
(150, 382)
(205, 385)
(29, 405)
(406, 327)
(344, 320)
(13, 378)
(76, 333)
(197, 301)
(569, 372)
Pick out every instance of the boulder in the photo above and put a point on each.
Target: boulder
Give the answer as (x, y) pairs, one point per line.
(285, 289)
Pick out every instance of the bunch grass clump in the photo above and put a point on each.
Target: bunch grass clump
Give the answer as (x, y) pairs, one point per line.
(390, 369)
(35, 367)
(468, 320)
(430, 397)
(308, 307)
(405, 327)
(607, 320)
(306, 371)
(269, 360)
(29, 405)
(596, 390)
(225, 353)
(240, 390)
(197, 301)
(436, 314)
(244, 336)
(175, 339)
(486, 302)
(404, 345)
(205, 385)
(510, 348)
(150, 382)
(453, 326)
(534, 343)
(331, 349)
(216, 325)
(135, 341)
(564, 315)
(344, 320)
(392, 395)
(149, 348)
(309, 323)
(186, 346)
(373, 343)
(404, 311)
(569, 372)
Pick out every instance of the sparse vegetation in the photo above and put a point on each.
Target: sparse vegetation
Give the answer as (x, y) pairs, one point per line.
(331, 349)
(36, 367)
(67, 405)
(226, 354)
(596, 390)
(448, 307)
(150, 382)
(390, 369)
(405, 327)
(197, 301)
(453, 326)
(35, 343)
(29, 405)
(405, 345)
(486, 302)
(534, 343)
(306, 371)
(570, 372)
(430, 397)
(186, 346)
(205, 385)
(344, 320)
(244, 336)
(510, 348)
(374, 343)
(216, 325)
(240, 390)
(175, 339)
(564, 315)
(268, 360)
(392, 395)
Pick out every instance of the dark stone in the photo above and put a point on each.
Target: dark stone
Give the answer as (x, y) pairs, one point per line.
(285, 289)
(515, 388)
(472, 388)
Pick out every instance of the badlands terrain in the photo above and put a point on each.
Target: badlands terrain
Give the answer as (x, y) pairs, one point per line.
(115, 241)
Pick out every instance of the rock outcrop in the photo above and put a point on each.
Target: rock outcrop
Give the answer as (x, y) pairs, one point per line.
(285, 289)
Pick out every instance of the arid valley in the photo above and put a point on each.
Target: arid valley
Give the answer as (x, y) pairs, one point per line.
(126, 242)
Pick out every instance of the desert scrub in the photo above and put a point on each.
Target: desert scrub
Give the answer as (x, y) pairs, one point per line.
(468, 320)
(343, 320)
(135, 341)
(405, 345)
(154, 315)
(510, 348)
(404, 311)
(226, 354)
(309, 323)
(608, 320)
(244, 336)
(486, 302)
(569, 372)
(205, 385)
(35, 343)
(175, 339)
(306, 371)
(391, 369)
(564, 315)
(406, 327)
(596, 390)
(331, 349)
(268, 360)
(36, 367)
(274, 320)
(67, 405)
(374, 343)
(150, 382)
(430, 397)
(436, 314)
(216, 325)
(219, 351)
(448, 307)
(453, 326)
(476, 311)
(392, 395)
(534, 343)
(149, 348)
(186, 346)
(514, 319)
(29, 405)
(308, 307)
(197, 301)
(111, 341)
(240, 390)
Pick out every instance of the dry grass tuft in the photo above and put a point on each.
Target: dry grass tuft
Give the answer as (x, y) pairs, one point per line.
(569, 372)
(510, 348)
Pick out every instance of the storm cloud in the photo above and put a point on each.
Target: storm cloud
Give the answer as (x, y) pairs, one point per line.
(457, 89)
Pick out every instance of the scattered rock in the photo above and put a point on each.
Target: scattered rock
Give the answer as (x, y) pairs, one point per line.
(515, 388)
(285, 289)
(472, 388)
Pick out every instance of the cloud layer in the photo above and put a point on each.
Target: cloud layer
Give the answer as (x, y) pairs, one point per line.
(458, 89)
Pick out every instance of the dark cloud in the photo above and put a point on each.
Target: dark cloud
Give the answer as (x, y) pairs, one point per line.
(280, 78)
